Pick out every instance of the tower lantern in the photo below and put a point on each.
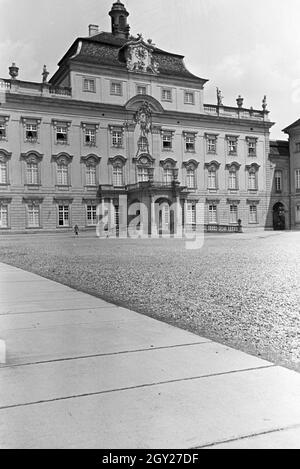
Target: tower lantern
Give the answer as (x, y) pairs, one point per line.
(119, 15)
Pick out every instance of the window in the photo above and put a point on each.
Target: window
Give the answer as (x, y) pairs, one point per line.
(297, 213)
(3, 216)
(167, 141)
(212, 178)
(32, 173)
(211, 144)
(251, 147)
(117, 138)
(191, 214)
(62, 134)
(2, 130)
(63, 215)
(297, 177)
(143, 174)
(141, 89)
(191, 178)
(252, 180)
(190, 142)
(31, 133)
(298, 147)
(118, 176)
(252, 214)
(166, 94)
(89, 85)
(143, 144)
(3, 172)
(33, 215)
(189, 97)
(91, 215)
(90, 175)
(62, 174)
(233, 181)
(232, 145)
(233, 214)
(212, 214)
(90, 136)
(278, 181)
(116, 88)
(168, 175)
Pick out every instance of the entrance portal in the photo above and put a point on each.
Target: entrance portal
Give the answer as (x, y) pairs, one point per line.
(278, 216)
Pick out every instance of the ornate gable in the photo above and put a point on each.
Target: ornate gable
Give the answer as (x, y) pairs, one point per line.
(139, 56)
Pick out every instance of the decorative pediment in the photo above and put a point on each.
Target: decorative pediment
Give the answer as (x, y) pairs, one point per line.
(32, 156)
(252, 202)
(144, 160)
(212, 164)
(118, 160)
(254, 167)
(191, 164)
(33, 199)
(62, 158)
(91, 159)
(136, 102)
(212, 201)
(168, 163)
(233, 201)
(233, 165)
(138, 55)
(4, 155)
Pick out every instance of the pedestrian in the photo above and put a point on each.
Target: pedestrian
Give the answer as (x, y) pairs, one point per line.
(76, 230)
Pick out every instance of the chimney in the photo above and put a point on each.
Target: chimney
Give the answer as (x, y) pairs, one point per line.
(93, 29)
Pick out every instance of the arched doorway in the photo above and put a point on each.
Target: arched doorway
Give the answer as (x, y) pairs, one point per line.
(165, 216)
(278, 217)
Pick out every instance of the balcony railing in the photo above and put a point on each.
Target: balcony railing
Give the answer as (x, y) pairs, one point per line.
(152, 184)
(5, 85)
(223, 228)
(226, 111)
(60, 90)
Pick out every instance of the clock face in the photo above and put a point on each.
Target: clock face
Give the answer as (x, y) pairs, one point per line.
(141, 53)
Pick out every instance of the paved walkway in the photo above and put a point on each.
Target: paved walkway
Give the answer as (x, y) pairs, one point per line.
(82, 373)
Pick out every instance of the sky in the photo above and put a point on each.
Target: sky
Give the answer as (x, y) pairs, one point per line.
(244, 47)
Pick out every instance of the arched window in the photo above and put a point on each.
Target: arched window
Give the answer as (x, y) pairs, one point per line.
(212, 178)
(32, 168)
(253, 177)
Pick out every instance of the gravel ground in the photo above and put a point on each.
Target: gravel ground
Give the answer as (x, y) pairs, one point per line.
(240, 290)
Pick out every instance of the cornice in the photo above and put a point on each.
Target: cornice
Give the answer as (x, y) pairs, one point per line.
(75, 107)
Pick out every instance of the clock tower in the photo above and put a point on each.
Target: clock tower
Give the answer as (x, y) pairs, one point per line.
(119, 15)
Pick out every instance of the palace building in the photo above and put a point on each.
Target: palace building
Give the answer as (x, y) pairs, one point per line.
(124, 122)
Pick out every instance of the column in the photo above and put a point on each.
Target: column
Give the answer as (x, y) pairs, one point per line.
(185, 216)
(178, 219)
(154, 233)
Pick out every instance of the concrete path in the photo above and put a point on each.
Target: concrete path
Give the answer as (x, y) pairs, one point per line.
(82, 373)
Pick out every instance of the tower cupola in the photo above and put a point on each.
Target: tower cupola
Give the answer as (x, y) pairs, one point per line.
(119, 15)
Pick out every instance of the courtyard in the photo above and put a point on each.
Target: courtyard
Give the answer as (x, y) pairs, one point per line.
(242, 290)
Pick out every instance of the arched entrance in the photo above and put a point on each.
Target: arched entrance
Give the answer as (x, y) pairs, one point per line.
(279, 216)
(165, 216)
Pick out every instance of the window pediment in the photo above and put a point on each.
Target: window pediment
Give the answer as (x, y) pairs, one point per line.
(233, 166)
(117, 160)
(4, 155)
(213, 165)
(32, 156)
(62, 158)
(168, 163)
(191, 164)
(91, 160)
(253, 168)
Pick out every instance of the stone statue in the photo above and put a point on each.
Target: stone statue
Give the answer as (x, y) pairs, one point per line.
(219, 97)
(264, 103)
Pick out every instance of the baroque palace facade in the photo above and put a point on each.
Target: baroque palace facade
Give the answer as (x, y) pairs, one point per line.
(124, 124)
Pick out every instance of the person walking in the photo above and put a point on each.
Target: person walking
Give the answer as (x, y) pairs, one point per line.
(76, 230)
